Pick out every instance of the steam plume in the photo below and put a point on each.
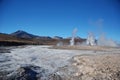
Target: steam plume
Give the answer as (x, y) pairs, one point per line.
(90, 39)
(72, 42)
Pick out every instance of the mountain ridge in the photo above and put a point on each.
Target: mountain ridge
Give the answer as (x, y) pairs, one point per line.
(24, 34)
(24, 38)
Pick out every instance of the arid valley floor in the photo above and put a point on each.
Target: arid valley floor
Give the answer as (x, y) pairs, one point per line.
(60, 63)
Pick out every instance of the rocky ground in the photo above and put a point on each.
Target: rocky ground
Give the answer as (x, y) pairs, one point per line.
(92, 67)
(81, 64)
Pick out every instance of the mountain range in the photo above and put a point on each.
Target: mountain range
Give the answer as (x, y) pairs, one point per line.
(23, 34)
(21, 37)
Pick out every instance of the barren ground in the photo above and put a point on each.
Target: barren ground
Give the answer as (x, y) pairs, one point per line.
(70, 62)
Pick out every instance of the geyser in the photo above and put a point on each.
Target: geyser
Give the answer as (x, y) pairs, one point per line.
(72, 41)
(103, 41)
(60, 43)
(90, 39)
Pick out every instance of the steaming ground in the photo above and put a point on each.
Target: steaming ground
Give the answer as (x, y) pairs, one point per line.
(41, 56)
(51, 59)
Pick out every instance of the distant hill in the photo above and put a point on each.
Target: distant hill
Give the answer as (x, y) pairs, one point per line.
(77, 37)
(57, 37)
(9, 40)
(24, 38)
(23, 34)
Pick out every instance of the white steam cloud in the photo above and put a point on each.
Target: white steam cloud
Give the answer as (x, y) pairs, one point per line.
(91, 39)
(72, 42)
(103, 41)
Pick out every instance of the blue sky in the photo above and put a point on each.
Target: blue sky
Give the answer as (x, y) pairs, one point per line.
(60, 17)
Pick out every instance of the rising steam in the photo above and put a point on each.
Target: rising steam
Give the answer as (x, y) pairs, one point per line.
(72, 42)
(103, 41)
(90, 39)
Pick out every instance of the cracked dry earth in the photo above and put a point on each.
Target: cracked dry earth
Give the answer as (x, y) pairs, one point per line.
(92, 67)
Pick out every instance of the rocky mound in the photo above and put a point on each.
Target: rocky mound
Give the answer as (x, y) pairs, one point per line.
(92, 67)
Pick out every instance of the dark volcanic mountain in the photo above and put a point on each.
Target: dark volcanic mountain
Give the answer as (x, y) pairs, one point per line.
(13, 40)
(9, 40)
(23, 34)
(23, 38)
